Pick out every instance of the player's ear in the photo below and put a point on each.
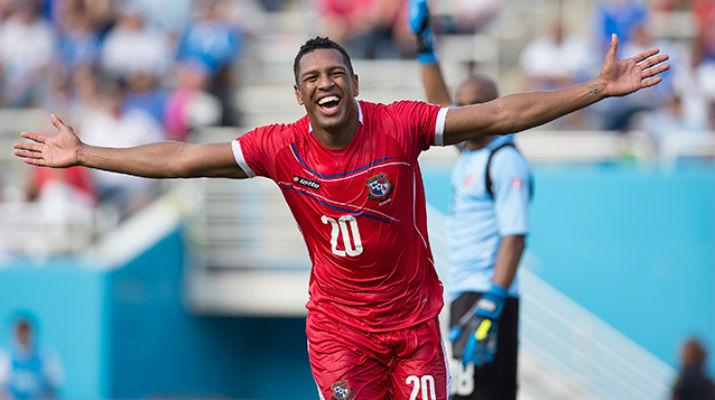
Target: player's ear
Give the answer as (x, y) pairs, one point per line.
(356, 87)
(298, 96)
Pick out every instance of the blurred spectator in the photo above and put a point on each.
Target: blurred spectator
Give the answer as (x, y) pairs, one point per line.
(472, 15)
(6, 9)
(616, 16)
(84, 92)
(144, 93)
(72, 186)
(215, 42)
(101, 13)
(79, 43)
(26, 48)
(364, 27)
(555, 60)
(109, 125)
(694, 82)
(190, 105)
(26, 371)
(704, 15)
(692, 383)
(65, 202)
(133, 48)
(667, 126)
(169, 16)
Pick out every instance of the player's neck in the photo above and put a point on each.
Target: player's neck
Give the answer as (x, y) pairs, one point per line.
(338, 137)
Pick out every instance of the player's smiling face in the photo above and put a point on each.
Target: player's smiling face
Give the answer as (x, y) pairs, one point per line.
(327, 89)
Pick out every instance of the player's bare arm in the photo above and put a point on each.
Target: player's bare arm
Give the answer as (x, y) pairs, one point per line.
(508, 257)
(435, 87)
(517, 112)
(156, 160)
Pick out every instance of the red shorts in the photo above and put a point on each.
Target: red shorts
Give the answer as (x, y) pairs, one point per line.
(347, 363)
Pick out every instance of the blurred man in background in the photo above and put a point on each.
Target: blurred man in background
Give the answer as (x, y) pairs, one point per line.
(26, 371)
(487, 225)
(26, 49)
(692, 383)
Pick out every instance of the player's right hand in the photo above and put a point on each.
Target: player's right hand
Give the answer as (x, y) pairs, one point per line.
(58, 151)
(418, 17)
(475, 336)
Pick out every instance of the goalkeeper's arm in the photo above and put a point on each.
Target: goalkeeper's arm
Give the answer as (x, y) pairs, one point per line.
(508, 257)
(432, 80)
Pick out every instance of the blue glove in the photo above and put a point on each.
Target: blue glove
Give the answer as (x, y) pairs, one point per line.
(475, 335)
(420, 24)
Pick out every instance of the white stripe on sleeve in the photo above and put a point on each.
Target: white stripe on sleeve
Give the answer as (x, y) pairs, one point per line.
(439, 127)
(238, 155)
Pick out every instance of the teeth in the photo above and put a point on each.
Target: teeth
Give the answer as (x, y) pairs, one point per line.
(327, 99)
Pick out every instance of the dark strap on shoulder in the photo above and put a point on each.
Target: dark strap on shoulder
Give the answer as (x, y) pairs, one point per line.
(487, 171)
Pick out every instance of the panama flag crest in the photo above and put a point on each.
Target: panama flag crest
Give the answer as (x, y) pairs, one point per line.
(379, 187)
(342, 391)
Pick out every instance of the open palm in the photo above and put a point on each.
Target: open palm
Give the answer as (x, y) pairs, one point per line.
(629, 75)
(58, 151)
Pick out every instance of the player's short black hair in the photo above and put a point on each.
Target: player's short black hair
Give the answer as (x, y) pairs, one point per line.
(320, 43)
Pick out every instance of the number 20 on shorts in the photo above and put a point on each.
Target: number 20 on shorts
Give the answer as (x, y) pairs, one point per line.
(424, 384)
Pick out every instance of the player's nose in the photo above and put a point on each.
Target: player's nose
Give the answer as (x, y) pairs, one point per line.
(325, 81)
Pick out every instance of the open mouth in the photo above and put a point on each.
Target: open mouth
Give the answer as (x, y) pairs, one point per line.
(329, 104)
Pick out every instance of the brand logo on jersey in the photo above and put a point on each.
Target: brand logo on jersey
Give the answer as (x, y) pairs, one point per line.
(379, 187)
(306, 182)
(342, 391)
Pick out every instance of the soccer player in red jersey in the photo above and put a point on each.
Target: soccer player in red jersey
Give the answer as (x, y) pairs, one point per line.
(348, 171)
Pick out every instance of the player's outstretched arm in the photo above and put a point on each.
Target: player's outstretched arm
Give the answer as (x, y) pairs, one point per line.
(517, 112)
(156, 160)
(420, 24)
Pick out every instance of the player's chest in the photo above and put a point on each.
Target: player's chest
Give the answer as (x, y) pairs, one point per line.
(372, 175)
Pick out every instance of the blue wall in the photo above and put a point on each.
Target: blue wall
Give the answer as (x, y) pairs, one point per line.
(69, 303)
(125, 333)
(636, 246)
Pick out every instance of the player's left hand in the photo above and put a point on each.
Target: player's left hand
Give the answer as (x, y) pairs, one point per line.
(475, 336)
(622, 77)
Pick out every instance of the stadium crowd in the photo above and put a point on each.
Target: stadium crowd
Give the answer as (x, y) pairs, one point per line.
(129, 72)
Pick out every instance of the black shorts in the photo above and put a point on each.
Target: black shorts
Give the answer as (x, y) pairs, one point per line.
(495, 380)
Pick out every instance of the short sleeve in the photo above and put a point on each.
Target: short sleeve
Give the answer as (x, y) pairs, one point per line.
(511, 180)
(421, 124)
(255, 150)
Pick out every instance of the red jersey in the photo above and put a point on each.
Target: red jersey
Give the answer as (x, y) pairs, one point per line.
(361, 210)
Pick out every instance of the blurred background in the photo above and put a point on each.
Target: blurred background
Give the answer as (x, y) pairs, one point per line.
(137, 288)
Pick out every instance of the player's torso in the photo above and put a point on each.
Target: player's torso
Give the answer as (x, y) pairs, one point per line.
(361, 210)
(353, 205)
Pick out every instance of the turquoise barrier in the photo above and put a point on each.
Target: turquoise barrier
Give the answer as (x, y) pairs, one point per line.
(633, 245)
(126, 333)
(68, 301)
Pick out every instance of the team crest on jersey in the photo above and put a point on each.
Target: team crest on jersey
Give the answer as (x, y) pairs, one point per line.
(379, 187)
(342, 391)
